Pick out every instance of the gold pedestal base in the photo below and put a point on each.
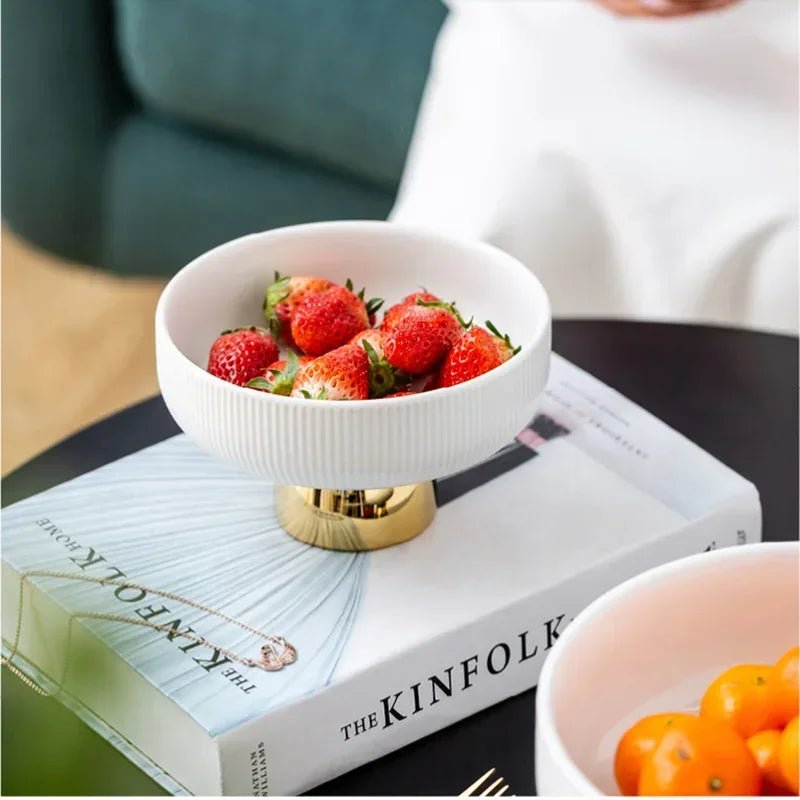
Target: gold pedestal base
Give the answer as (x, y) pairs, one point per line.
(355, 519)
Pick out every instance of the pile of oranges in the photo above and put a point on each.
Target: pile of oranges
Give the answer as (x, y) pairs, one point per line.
(742, 742)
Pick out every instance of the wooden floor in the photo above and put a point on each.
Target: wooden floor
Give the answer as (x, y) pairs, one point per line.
(77, 344)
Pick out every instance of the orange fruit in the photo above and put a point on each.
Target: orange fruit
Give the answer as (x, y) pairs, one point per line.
(636, 743)
(700, 757)
(787, 683)
(764, 747)
(743, 697)
(789, 756)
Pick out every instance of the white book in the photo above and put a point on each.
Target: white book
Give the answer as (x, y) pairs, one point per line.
(391, 645)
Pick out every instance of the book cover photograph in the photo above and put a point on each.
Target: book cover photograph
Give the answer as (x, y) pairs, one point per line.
(241, 639)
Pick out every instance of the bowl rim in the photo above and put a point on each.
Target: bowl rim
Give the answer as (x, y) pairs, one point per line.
(541, 332)
(546, 728)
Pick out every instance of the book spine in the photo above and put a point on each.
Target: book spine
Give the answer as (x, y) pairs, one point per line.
(366, 716)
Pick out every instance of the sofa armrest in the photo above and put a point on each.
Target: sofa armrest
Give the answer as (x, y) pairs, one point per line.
(62, 92)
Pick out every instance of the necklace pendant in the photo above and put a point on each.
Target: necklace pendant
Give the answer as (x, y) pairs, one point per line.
(277, 654)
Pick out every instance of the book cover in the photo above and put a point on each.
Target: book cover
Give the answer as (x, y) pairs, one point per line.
(390, 645)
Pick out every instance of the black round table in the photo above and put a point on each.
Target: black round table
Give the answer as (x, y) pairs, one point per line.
(732, 392)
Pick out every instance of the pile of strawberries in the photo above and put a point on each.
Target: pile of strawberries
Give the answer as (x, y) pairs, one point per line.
(335, 352)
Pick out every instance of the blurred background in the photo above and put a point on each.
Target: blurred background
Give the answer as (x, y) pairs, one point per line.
(639, 155)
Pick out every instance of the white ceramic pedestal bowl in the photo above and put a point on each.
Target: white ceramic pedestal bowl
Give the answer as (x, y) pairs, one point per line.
(653, 644)
(357, 444)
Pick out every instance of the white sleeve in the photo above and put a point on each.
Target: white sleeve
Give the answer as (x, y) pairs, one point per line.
(642, 168)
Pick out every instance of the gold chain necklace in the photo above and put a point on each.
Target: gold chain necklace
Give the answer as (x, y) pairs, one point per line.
(276, 653)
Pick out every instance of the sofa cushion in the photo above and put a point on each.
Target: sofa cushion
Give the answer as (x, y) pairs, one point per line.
(337, 81)
(171, 193)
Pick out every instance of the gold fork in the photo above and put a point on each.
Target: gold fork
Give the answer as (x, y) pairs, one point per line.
(491, 789)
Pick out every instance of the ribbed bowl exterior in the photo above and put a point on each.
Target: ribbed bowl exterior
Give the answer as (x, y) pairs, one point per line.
(346, 445)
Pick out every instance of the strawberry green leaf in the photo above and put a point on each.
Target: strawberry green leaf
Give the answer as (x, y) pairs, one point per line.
(254, 328)
(373, 305)
(371, 352)
(259, 383)
(283, 380)
(275, 293)
(503, 337)
(451, 307)
(383, 377)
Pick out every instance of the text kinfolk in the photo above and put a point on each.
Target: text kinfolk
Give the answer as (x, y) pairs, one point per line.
(398, 706)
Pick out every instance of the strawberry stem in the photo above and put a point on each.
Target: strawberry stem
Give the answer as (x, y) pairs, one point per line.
(383, 377)
(282, 380)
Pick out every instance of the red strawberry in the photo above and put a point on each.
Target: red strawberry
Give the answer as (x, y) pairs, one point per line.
(278, 377)
(325, 321)
(239, 355)
(422, 336)
(341, 374)
(475, 353)
(393, 314)
(283, 296)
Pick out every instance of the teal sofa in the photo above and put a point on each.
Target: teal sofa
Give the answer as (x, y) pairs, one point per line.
(138, 133)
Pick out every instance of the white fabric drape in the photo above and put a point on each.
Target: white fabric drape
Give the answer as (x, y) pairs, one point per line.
(642, 168)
